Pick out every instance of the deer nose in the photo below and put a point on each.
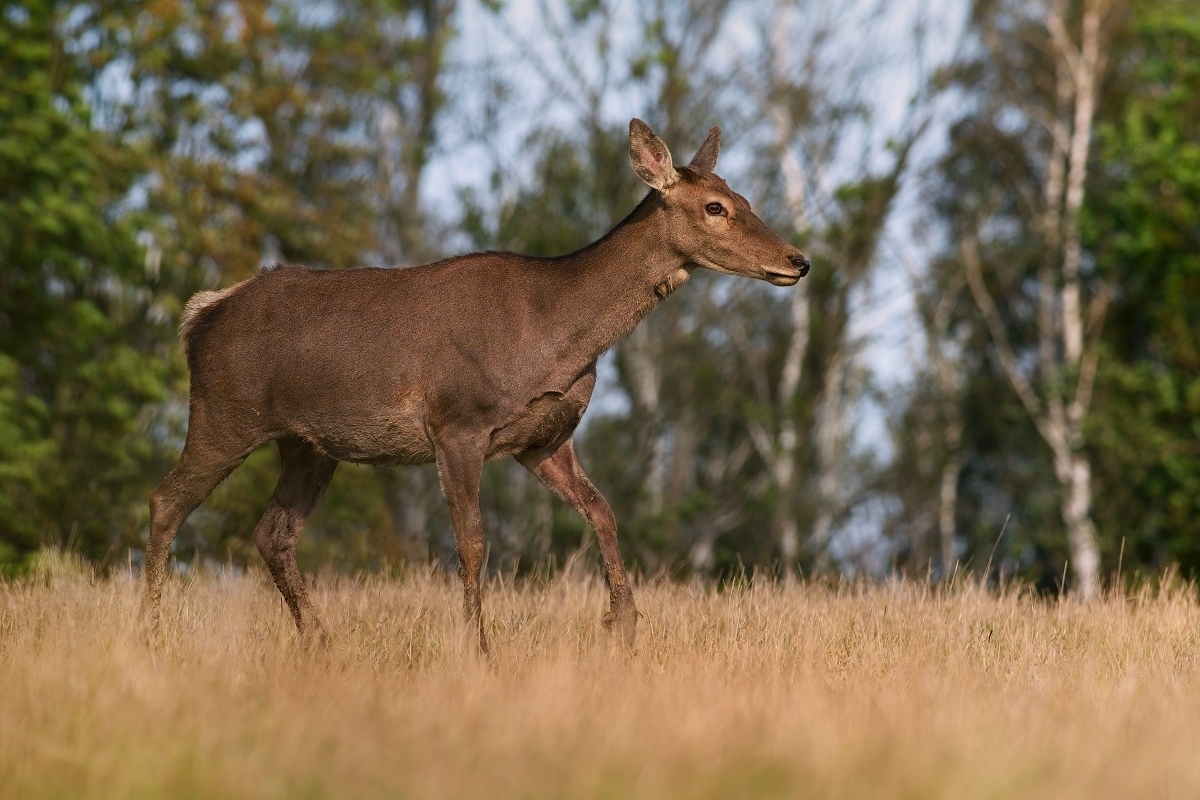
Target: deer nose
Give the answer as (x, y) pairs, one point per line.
(801, 263)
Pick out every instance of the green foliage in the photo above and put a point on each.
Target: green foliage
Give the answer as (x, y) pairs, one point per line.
(234, 132)
(262, 130)
(74, 378)
(1143, 226)
(1140, 225)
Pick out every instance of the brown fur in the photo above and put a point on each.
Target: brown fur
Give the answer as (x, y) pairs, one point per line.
(468, 359)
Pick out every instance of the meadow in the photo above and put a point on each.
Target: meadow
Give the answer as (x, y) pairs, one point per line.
(768, 689)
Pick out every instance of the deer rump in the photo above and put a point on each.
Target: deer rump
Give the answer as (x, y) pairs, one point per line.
(366, 364)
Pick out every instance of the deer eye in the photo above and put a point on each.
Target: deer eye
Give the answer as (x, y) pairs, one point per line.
(715, 209)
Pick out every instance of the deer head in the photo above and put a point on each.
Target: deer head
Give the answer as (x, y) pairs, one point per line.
(706, 222)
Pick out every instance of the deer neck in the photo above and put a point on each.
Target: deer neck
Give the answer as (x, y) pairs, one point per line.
(618, 280)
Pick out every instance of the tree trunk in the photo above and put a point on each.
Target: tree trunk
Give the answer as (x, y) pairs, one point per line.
(645, 378)
(1075, 477)
(829, 433)
(784, 464)
(1066, 360)
(406, 495)
(948, 512)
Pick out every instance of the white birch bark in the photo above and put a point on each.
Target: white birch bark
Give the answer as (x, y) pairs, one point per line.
(806, 144)
(644, 384)
(1067, 334)
(949, 395)
(829, 432)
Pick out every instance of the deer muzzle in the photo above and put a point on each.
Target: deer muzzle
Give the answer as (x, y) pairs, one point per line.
(797, 267)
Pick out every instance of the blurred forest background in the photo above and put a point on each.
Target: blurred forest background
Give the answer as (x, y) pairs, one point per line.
(994, 362)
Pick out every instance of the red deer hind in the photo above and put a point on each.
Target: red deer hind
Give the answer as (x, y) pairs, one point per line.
(456, 362)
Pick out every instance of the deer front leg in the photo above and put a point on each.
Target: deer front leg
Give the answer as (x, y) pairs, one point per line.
(459, 466)
(561, 472)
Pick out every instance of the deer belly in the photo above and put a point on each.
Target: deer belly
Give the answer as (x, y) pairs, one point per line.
(394, 435)
(547, 421)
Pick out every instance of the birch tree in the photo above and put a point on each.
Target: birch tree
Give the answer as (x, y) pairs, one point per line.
(813, 105)
(1069, 304)
(928, 427)
(1141, 229)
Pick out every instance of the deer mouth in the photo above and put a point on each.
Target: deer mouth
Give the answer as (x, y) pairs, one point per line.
(783, 276)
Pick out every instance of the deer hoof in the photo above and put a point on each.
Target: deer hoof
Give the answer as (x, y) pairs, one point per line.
(622, 622)
(313, 638)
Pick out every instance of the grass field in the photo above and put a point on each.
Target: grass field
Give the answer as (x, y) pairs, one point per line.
(772, 690)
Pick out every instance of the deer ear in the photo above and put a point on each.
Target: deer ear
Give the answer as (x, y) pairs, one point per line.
(706, 156)
(650, 158)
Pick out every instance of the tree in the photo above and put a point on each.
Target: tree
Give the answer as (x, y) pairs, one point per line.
(1140, 223)
(808, 389)
(1037, 99)
(78, 335)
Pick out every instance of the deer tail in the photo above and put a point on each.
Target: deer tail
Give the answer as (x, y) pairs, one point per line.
(193, 311)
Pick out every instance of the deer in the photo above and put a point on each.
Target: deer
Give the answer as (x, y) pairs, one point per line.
(456, 362)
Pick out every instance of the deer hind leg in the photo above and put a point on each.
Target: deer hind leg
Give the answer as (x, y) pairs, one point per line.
(304, 475)
(460, 466)
(561, 472)
(204, 463)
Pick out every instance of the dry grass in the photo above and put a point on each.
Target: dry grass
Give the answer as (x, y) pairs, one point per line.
(767, 691)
